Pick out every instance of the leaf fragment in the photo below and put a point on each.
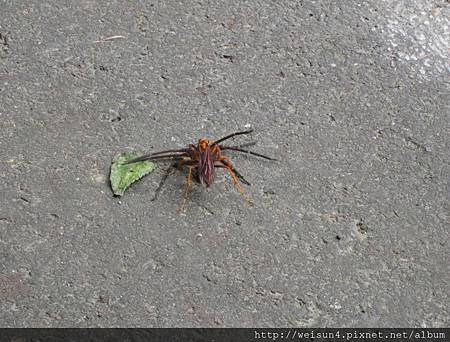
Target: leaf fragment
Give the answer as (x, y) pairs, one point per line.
(123, 175)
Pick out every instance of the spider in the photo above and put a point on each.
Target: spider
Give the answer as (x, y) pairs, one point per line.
(204, 158)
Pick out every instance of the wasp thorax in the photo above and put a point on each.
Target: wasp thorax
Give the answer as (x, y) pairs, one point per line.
(203, 143)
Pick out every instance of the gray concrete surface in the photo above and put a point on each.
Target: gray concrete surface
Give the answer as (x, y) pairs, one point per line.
(351, 228)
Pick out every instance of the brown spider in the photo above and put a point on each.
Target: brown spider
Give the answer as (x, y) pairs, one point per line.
(204, 158)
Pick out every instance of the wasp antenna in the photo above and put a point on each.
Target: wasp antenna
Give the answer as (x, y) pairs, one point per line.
(231, 135)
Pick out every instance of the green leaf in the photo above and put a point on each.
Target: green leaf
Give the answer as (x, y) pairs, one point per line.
(122, 176)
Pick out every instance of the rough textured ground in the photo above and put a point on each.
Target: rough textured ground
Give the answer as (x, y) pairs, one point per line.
(351, 228)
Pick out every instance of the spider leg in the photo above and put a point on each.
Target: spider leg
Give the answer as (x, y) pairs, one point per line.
(251, 143)
(250, 152)
(232, 173)
(184, 150)
(231, 135)
(151, 157)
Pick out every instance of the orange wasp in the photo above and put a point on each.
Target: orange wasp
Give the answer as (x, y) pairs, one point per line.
(204, 158)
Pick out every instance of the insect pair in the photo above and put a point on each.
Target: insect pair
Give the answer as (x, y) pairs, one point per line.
(202, 160)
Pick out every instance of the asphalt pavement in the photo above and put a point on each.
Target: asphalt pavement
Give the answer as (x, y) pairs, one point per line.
(351, 227)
